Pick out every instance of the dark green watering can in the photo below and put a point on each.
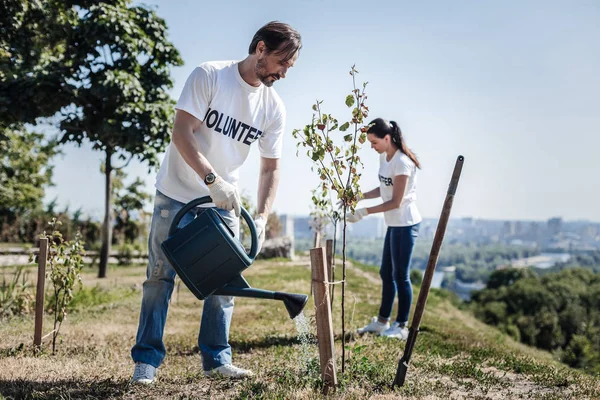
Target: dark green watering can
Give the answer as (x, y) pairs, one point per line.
(209, 259)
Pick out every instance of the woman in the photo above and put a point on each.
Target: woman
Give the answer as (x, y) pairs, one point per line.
(397, 188)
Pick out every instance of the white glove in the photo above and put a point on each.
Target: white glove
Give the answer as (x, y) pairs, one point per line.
(359, 214)
(225, 195)
(359, 197)
(261, 224)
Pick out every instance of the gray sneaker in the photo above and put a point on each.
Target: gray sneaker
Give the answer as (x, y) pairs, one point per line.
(144, 374)
(374, 326)
(396, 331)
(229, 371)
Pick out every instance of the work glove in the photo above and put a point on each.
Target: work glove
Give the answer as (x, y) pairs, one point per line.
(261, 225)
(359, 214)
(359, 197)
(225, 195)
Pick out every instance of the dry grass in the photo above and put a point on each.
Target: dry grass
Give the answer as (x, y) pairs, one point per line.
(456, 357)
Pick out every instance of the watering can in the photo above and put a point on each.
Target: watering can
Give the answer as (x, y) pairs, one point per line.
(209, 259)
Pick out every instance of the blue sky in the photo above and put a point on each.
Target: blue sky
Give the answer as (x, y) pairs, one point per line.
(511, 85)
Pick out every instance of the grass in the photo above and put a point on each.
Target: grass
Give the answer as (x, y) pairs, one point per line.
(455, 356)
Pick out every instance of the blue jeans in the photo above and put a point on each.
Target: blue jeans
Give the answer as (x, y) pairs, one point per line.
(213, 339)
(395, 271)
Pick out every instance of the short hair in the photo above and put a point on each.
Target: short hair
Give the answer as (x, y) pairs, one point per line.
(277, 36)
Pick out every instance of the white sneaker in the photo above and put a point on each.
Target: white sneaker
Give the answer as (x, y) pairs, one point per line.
(374, 326)
(396, 331)
(144, 374)
(229, 371)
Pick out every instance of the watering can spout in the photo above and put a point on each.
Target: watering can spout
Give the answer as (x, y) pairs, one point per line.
(294, 303)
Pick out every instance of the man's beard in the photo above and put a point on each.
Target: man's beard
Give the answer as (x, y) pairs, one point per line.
(266, 80)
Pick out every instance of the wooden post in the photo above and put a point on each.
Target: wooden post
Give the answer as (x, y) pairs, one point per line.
(320, 282)
(317, 242)
(39, 293)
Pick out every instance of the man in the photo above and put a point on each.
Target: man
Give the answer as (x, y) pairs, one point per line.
(224, 107)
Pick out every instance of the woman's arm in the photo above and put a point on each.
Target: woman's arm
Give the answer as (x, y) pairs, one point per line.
(371, 194)
(400, 182)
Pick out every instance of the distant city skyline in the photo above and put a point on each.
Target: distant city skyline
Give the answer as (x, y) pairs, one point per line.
(512, 86)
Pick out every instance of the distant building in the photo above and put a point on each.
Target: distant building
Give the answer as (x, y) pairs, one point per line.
(534, 233)
(302, 227)
(554, 226)
(509, 229)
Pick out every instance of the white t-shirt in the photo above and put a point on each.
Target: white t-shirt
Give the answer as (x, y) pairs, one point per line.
(234, 115)
(400, 164)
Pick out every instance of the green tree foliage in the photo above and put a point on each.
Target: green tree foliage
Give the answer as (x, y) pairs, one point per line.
(101, 68)
(34, 60)
(25, 173)
(25, 170)
(508, 276)
(557, 312)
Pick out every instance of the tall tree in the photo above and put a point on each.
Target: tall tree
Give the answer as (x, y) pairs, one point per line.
(110, 75)
(25, 171)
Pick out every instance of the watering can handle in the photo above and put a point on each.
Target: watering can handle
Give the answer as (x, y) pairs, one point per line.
(206, 199)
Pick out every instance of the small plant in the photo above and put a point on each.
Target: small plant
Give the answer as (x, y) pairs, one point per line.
(336, 165)
(16, 297)
(65, 261)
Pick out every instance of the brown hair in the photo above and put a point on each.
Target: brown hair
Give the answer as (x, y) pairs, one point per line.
(278, 37)
(381, 127)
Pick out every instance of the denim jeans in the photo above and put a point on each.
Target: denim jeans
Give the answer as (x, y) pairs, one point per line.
(213, 339)
(395, 271)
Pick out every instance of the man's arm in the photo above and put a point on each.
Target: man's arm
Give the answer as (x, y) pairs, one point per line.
(223, 194)
(183, 138)
(267, 185)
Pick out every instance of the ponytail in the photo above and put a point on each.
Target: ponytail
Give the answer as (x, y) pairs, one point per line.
(398, 140)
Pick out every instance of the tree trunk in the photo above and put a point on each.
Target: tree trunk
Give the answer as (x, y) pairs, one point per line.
(107, 226)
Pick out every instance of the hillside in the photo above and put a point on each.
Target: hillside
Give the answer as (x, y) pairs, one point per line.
(456, 356)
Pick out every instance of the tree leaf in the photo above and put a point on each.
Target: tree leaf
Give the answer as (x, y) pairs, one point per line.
(350, 100)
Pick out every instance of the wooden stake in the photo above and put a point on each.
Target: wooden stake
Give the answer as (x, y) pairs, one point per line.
(317, 242)
(39, 293)
(320, 283)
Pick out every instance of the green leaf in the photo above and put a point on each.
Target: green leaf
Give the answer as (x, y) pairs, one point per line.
(350, 100)
(345, 126)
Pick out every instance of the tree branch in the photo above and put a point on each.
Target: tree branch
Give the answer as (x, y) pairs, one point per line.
(126, 164)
